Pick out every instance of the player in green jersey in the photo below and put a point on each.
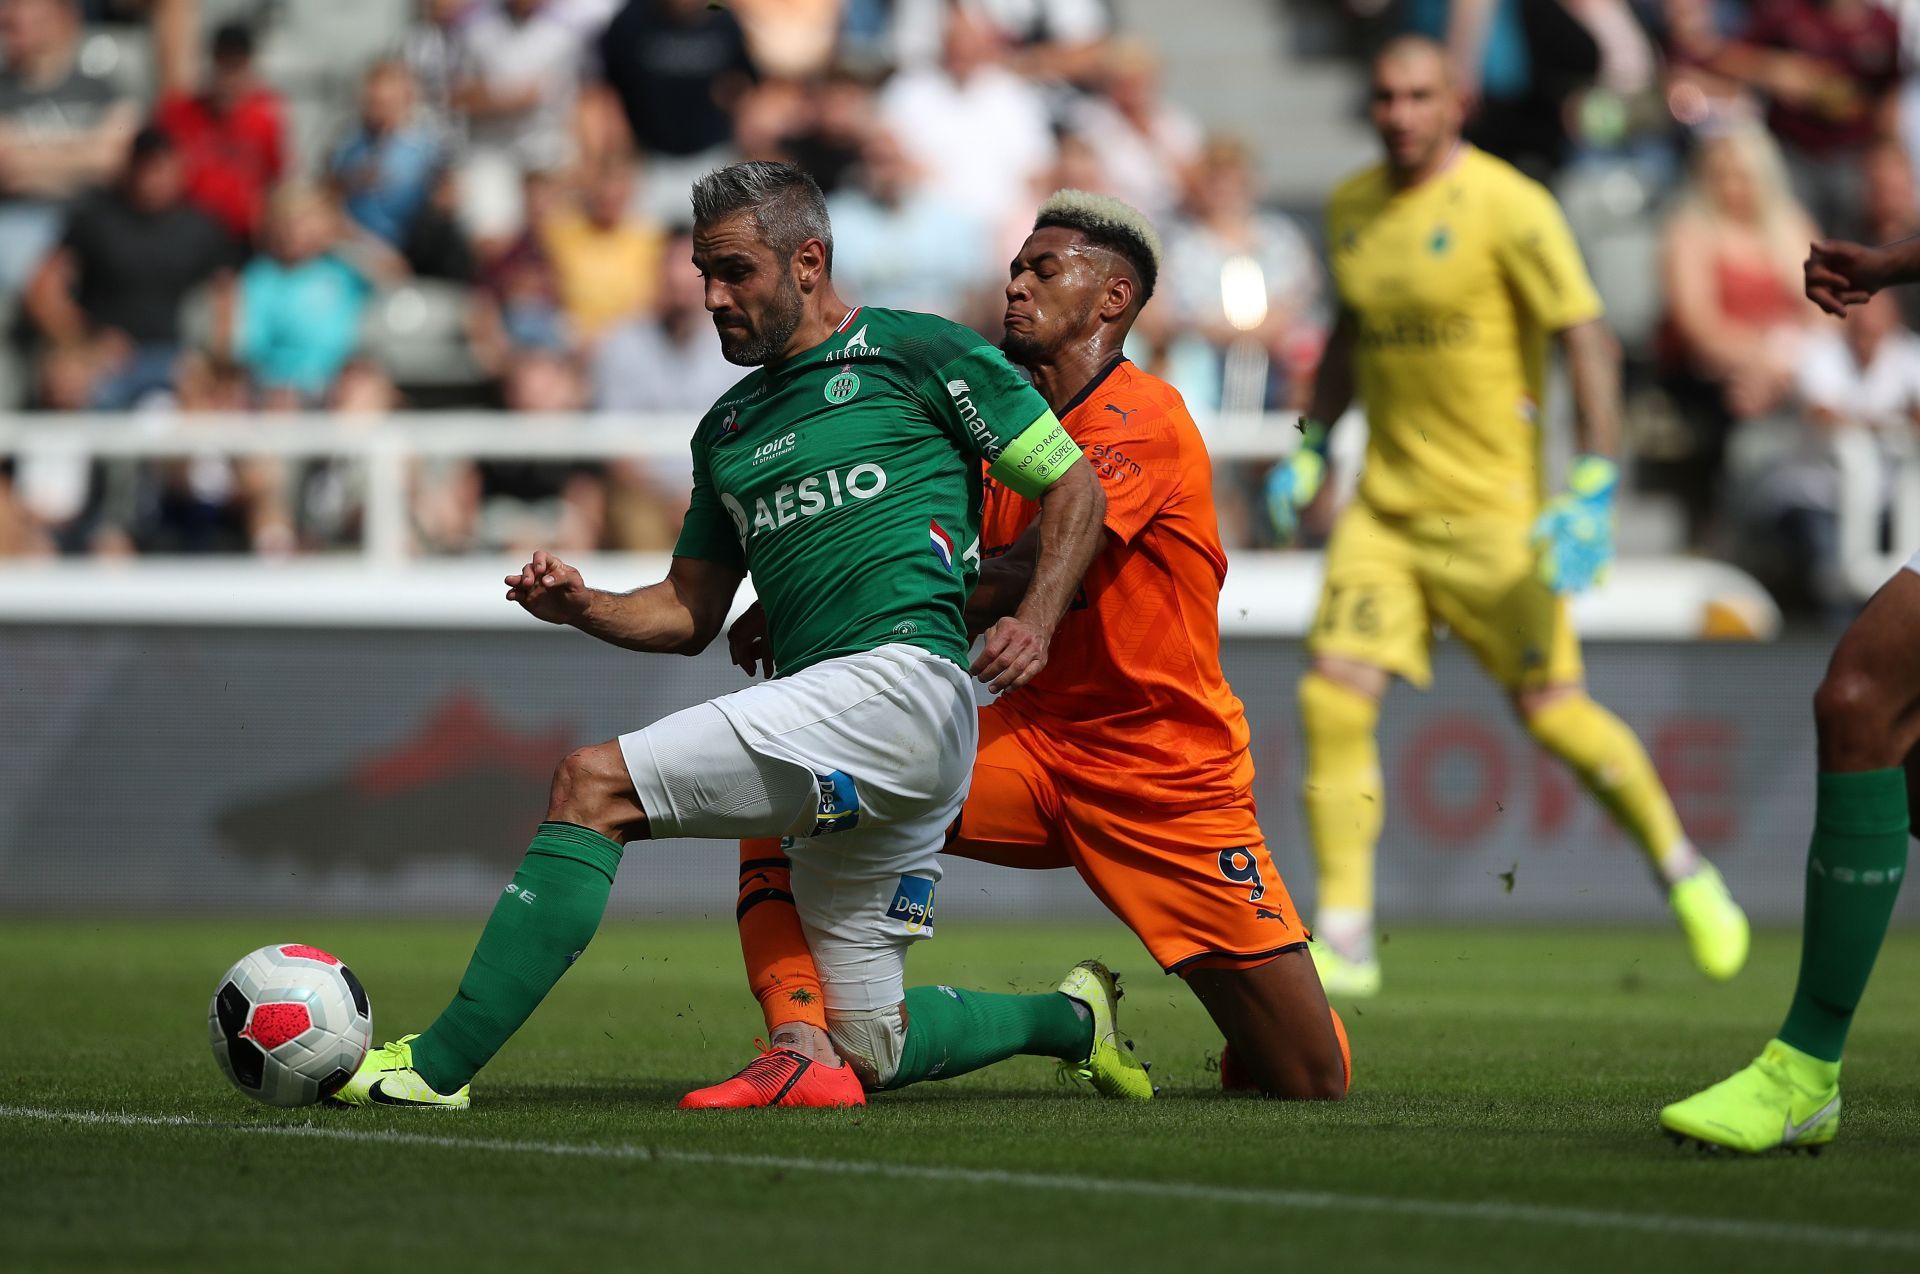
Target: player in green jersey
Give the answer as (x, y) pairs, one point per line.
(844, 474)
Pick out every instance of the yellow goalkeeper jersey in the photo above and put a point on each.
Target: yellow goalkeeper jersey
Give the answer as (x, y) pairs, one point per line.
(1454, 286)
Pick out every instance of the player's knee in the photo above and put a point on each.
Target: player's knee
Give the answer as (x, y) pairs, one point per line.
(583, 784)
(1849, 701)
(872, 1041)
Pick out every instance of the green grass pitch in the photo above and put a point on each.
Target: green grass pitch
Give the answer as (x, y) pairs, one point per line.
(1502, 1118)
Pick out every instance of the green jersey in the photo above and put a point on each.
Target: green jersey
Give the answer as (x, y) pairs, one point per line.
(847, 480)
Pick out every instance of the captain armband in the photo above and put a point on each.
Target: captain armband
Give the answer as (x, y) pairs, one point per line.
(1035, 460)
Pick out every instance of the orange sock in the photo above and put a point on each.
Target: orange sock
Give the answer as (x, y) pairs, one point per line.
(779, 967)
(1346, 1051)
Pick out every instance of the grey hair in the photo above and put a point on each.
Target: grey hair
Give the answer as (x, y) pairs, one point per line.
(788, 208)
(1107, 223)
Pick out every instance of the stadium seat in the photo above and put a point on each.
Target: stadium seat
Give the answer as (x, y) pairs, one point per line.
(418, 333)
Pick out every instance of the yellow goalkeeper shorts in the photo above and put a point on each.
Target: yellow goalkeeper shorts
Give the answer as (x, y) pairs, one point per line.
(1390, 581)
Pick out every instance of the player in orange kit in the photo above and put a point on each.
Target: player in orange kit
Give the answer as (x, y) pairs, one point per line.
(1127, 757)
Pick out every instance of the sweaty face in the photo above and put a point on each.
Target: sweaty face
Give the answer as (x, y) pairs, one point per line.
(1054, 285)
(750, 290)
(1414, 109)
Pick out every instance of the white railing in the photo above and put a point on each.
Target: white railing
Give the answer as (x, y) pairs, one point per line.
(385, 448)
(383, 585)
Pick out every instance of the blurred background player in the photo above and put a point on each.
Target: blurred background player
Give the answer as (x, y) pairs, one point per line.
(1866, 714)
(1452, 269)
(1127, 758)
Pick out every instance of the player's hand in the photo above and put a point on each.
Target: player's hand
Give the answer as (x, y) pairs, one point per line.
(1574, 535)
(748, 644)
(1839, 274)
(1013, 654)
(1297, 481)
(547, 588)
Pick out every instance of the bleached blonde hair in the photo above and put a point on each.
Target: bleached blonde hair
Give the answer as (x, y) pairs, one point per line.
(1108, 223)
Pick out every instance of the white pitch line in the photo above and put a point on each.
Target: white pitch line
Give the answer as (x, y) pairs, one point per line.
(1493, 1212)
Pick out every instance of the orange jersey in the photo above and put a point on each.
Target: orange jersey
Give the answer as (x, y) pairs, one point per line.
(1133, 700)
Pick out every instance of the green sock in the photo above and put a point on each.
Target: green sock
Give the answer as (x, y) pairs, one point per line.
(1854, 867)
(951, 1032)
(539, 927)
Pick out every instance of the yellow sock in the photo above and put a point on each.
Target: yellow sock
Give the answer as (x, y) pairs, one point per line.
(1599, 748)
(1344, 796)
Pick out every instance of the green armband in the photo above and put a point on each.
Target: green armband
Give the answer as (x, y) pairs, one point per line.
(1032, 462)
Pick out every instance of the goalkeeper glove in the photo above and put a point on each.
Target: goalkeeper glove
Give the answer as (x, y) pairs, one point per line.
(1574, 535)
(1294, 482)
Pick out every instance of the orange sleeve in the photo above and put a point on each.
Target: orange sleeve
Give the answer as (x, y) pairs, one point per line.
(1135, 452)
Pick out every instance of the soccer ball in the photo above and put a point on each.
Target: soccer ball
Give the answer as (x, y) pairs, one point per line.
(289, 1025)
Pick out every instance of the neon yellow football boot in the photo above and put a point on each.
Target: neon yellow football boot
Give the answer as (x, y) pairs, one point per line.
(387, 1078)
(1785, 1100)
(1716, 928)
(1111, 1067)
(1343, 977)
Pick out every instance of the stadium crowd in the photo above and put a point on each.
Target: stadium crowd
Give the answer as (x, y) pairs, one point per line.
(485, 208)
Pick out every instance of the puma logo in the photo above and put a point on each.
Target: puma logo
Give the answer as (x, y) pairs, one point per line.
(1122, 414)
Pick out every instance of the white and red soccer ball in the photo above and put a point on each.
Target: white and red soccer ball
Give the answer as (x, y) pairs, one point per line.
(289, 1024)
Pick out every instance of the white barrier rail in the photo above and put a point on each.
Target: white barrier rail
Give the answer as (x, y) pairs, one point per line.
(1267, 594)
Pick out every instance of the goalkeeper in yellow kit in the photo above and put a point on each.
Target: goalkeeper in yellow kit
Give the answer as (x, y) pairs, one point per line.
(1453, 272)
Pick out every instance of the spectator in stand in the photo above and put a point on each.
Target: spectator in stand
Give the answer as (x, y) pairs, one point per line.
(677, 69)
(899, 246)
(520, 75)
(21, 534)
(130, 257)
(1890, 202)
(978, 130)
(519, 306)
(1830, 72)
(669, 361)
(1050, 41)
(790, 39)
(300, 303)
(527, 504)
(231, 133)
(430, 48)
(436, 246)
(671, 365)
(1736, 317)
(1243, 293)
(1147, 147)
(825, 135)
(61, 130)
(1861, 376)
(605, 256)
(386, 167)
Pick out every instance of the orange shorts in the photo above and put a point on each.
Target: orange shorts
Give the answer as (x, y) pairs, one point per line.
(1194, 886)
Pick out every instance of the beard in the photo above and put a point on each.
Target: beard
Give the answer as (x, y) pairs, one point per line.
(764, 344)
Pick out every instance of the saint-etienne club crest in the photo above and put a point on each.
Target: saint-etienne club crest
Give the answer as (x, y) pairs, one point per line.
(842, 387)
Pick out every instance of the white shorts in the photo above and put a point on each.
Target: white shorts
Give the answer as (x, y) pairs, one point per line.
(862, 762)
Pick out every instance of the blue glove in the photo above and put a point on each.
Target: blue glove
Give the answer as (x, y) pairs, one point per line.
(1574, 535)
(1294, 482)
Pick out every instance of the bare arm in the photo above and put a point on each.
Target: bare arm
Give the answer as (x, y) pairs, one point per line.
(1072, 511)
(680, 615)
(1839, 274)
(88, 159)
(1333, 382)
(49, 300)
(1003, 582)
(1593, 365)
(176, 40)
